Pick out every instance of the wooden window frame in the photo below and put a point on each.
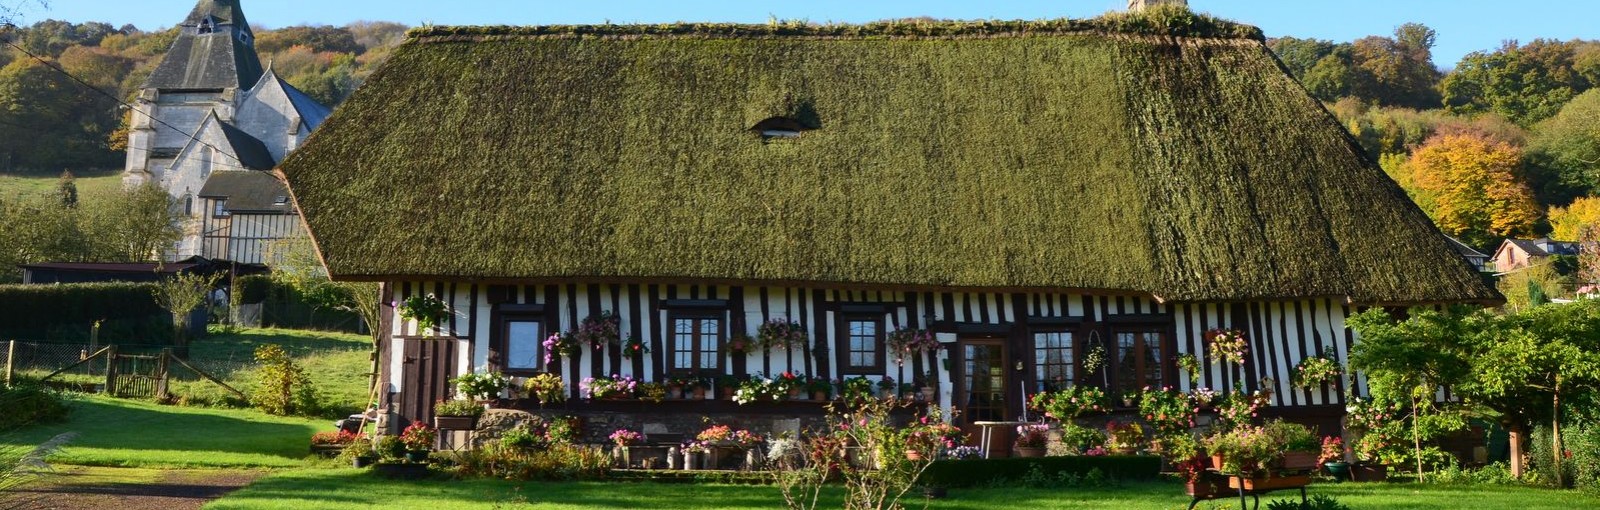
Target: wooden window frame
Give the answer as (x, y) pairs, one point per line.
(219, 208)
(879, 352)
(1073, 348)
(696, 314)
(1164, 361)
(502, 344)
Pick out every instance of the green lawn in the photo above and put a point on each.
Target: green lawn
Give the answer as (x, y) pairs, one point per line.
(345, 488)
(91, 184)
(116, 432)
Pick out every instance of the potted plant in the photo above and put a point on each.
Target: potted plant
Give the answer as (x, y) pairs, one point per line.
(547, 388)
(856, 387)
(727, 384)
(332, 443)
(930, 392)
(456, 414)
(391, 452)
(1300, 445)
(634, 348)
(1124, 438)
(599, 330)
(1332, 458)
(483, 385)
(1190, 365)
(625, 439)
(780, 334)
(907, 342)
(1317, 370)
(821, 388)
(1031, 439)
(1130, 398)
(418, 439)
(1184, 452)
(909, 391)
(886, 387)
(560, 344)
(739, 344)
(652, 392)
(697, 388)
(790, 385)
(360, 453)
(425, 309)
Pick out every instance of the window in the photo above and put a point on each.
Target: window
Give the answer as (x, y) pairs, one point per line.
(1139, 360)
(219, 209)
(209, 25)
(864, 345)
(697, 341)
(188, 205)
(281, 200)
(524, 345)
(1052, 360)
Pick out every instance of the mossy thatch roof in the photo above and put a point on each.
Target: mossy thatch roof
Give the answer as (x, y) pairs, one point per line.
(1191, 168)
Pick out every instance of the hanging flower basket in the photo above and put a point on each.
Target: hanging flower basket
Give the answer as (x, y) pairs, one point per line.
(907, 342)
(781, 334)
(425, 309)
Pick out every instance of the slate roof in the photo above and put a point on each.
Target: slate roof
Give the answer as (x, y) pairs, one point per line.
(1545, 247)
(248, 192)
(217, 60)
(250, 151)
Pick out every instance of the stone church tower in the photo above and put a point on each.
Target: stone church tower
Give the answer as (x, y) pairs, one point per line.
(216, 123)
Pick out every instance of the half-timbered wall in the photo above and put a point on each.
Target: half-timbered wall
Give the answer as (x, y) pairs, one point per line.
(1281, 333)
(243, 237)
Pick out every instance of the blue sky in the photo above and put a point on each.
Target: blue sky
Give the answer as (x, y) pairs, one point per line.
(1463, 25)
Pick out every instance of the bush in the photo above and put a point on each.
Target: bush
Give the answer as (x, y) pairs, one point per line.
(27, 403)
(1315, 502)
(1584, 443)
(253, 289)
(560, 462)
(128, 312)
(282, 387)
(981, 472)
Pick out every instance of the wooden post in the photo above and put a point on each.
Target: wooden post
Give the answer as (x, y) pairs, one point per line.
(161, 373)
(111, 369)
(11, 360)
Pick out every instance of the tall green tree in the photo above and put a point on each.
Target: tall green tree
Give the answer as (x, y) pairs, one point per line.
(1408, 361)
(1564, 151)
(1525, 83)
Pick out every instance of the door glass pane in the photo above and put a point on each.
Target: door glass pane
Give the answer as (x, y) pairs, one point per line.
(985, 383)
(522, 345)
(1128, 354)
(710, 330)
(683, 344)
(1152, 360)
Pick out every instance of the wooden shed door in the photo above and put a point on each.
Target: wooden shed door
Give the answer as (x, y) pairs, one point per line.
(425, 376)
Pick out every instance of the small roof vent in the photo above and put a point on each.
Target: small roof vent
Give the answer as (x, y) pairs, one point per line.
(779, 127)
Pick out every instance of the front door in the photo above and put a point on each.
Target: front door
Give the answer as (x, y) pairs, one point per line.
(983, 383)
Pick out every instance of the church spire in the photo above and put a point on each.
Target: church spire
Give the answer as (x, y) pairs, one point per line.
(215, 49)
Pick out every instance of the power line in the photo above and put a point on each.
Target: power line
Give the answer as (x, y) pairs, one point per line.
(10, 28)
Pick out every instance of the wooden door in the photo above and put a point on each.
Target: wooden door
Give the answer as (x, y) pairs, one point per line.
(425, 375)
(983, 385)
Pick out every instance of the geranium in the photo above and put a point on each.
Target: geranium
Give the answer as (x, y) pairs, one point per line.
(1189, 363)
(746, 439)
(1032, 435)
(418, 437)
(1245, 450)
(1168, 411)
(559, 344)
(1332, 450)
(1069, 403)
(342, 437)
(715, 434)
(607, 387)
(625, 437)
(599, 330)
(739, 343)
(1238, 408)
(775, 334)
(906, 341)
(1097, 451)
(483, 384)
(633, 348)
(1227, 345)
(1316, 370)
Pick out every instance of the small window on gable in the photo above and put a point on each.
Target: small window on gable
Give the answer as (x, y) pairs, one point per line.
(219, 209)
(281, 200)
(779, 127)
(208, 25)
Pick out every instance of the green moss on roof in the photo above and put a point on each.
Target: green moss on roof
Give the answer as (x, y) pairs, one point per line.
(1164, 20)
(1192, 169)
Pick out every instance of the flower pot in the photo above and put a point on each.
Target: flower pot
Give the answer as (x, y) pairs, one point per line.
(455, 422)
(1301, 461)
(795, 394)
(1369, 472)
(1204, 487)
(886, 392)
(675, 393)
(929, 392)
(1216, 461)
(1030, 451)
(1127, 402)
(1124, 450)
(419, 456)
(726, 393)
(819, 395)
(699, 393)
(913, 455)
(1268, 483)
(362, 461)
(1338, 470)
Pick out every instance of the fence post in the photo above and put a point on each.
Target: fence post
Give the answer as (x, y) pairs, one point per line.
(161, 374)
(111, 370)
(11, 360)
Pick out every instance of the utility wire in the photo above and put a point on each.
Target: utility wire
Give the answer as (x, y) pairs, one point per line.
(9, 28)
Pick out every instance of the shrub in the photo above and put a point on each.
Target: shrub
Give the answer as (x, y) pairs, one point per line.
(253, 289)
(26, 403)
(558, 463)
(282, 387)
(1315, 502)
(982, 472)
(127, 312)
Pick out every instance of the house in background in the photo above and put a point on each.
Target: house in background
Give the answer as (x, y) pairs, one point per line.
(1477, 259)
(1516, 254)
(698, 181)
(218, 118)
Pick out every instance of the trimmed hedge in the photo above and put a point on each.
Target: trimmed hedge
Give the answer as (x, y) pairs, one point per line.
(254, 289)
(128, 312)
(976, 472)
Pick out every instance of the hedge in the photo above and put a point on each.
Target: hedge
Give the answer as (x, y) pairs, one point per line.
(128, 312)
(254, 289)
(977, 472)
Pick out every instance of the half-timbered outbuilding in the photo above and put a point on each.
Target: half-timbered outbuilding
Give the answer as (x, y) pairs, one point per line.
(1026, 190)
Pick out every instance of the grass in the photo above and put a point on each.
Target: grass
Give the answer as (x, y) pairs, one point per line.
(127, 433)
(345, 488)
(89, 184)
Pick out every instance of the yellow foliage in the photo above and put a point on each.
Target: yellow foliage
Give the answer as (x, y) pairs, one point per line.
(1477, 186)
(1568, 221)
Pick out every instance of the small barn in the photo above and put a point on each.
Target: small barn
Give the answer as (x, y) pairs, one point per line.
(1026, 192)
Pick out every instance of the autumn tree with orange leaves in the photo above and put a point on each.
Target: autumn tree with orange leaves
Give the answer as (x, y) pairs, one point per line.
(1479, 189)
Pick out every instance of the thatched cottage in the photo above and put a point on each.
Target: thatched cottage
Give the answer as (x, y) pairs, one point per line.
(1028, 191)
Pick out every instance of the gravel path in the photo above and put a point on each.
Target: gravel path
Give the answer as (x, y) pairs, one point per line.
(132, 489)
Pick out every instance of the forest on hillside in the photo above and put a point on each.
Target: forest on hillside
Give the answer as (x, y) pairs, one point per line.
(50, 123)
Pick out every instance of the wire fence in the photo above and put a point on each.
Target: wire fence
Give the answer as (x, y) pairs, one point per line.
(84, 367)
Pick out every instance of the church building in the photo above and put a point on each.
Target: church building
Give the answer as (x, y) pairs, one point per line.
(216, 124)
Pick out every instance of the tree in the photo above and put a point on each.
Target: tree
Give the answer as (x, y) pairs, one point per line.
(1480, 189)
(1299, 55)
(1531, 286)
(132, 225)
(1567, 222)
(1398, 71)
(182, 294)
(1565, 150)
(1409, 361)
(1526, 83)
(67, 189)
